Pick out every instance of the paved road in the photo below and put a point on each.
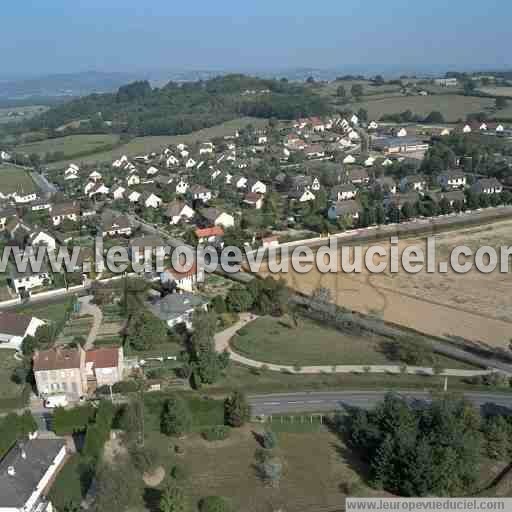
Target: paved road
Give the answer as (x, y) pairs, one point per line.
(222, 343)
(337, 400)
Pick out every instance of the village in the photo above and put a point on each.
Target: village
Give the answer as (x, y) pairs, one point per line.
(89, 335)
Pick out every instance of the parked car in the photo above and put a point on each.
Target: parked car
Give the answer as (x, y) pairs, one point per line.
(54, 401)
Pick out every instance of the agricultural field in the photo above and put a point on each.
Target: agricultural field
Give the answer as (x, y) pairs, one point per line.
(15, 114)
(15, 179)
(474, 307)
(70, 145)
(310, 343)
(452, 106)
(75, 327)
(143, 145)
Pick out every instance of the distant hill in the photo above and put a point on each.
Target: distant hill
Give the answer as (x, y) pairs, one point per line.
(179, 108)
(64, 85)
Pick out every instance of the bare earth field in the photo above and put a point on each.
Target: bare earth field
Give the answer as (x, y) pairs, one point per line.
(452, 106)
(472, 306)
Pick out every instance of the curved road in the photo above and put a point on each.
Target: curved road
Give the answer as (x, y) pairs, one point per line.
(327, 401)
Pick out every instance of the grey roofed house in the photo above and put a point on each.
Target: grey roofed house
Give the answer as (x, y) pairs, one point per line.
(23, 468)
(452, 195)
(153, 241)
(177, 307)
(211, 214)
(386, 183)
(399, 200)
(111, 222)
(174, 208)
(341, 208)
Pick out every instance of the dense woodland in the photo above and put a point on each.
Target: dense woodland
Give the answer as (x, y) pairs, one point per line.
(426, 449)
(138, 109)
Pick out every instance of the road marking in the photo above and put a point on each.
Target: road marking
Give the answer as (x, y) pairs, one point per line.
(301, 402)
(315, 401)
(271, 403)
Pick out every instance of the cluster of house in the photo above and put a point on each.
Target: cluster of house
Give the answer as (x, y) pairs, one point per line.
(409, 189)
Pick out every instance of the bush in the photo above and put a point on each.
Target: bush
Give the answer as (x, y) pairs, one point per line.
(214, 504)
(125, 386)
(216, 433)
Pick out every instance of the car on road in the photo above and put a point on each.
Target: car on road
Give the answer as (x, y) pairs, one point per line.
(54, 401)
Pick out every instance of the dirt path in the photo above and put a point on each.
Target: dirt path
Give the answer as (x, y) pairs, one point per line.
(87, 308)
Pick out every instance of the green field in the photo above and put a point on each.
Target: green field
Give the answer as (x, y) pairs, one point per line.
(15, 179)
(70, 145)
(266, 339)
(143, 145)
(452, 106)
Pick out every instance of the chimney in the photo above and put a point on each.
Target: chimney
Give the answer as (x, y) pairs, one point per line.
(11, 471)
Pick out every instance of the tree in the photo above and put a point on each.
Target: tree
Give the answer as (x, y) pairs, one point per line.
(176, 417)
(236, 409)
(119, 487)
(362, 114)
(239, 299)
(356, 91)
(145, 330)
(214, 504)
(408, 210)
(341, 92)
(269, 440)
(469, 87)
(434, 117)
(444, 206)
(497, 438)
(501, 103)
(271, 471)
(173, 500)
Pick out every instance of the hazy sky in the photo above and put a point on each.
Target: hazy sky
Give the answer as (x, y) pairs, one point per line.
(46, 36)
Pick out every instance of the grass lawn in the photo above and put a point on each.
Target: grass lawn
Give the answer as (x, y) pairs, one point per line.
(70, 145)
(252, 381)
(315, 467)
(8, 389)
(142, 145)
(452, 106)
(13, 179)
(266, 339)
(53, 312)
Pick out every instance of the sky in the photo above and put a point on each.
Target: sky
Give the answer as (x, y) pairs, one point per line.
(56, 36)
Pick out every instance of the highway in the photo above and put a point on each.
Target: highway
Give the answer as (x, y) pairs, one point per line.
(327, 401)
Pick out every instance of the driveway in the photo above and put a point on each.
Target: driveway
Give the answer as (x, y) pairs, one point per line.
(223, 338)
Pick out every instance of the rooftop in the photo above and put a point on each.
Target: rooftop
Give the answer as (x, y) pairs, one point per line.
(30, 461)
